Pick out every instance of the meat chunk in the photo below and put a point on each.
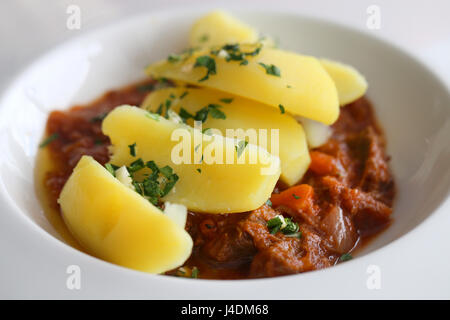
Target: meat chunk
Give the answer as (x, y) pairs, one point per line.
(292, 255)
(356, 201)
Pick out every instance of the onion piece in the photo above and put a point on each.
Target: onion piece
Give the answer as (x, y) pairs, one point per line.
(316, 132)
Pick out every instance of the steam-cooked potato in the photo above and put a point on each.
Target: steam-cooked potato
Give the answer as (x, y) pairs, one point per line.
(116, 224)
(247, 115)
(298, 83)
(223, 28)
(350, 84)
(205, 184)
(210, 29)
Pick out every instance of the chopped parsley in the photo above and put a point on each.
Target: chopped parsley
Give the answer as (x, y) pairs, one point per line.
(99, 118)
(146, 87)
(207, 62)
(136, 166)
(184, 94)
(269, 203)
(295, 196)
(111, 168)
(153, 116)
(241, 147)
(346, 257)
(227, 100)
(173, 58)
(199, 170)
(185, 114)
(285, 225)
(215, 112)
(49, 140)
(153, 186)
(194, 272)
(204, 38)
(232, 52)
(132, 149)
(202, 114)
(271, 69)
(281, 108)
(207, 131)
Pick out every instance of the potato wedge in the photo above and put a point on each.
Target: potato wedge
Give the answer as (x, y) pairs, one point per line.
(116, 224)
(210, 29)
(205, 184)
(223, 28)
(274, 77)
(240, 114)
(351, 85)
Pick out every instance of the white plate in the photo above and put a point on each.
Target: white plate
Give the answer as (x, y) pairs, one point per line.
(411, 104)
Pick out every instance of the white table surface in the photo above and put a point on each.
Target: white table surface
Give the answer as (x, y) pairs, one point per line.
(30, 27)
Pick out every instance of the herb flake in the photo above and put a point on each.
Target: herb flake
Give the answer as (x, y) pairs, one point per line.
(49, 140)
(271, 69)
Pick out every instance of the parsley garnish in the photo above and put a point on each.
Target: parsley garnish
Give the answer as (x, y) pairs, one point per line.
(146, 87)
(227, 100)
(184, 94)
(241, 147)
(269, 203)
(99, 117)
(232, 52)
(271, 69)
(199, 170)
(155, 185)
(202, 114)
(346, 257)
(206, 131)
(207, 62)
(204, 38)
(173, 58)
(295, 196)
(111, 168)
(136, 165)
(132, 149)
(194, 272)
(285, 225)
(49, 140)
(215, 112)
(281, 108)
(153, 116)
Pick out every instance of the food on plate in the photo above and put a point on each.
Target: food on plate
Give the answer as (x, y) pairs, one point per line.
(240, 113)
(114, 223)
(350, 84)
(234, 159)
(210, 29)
(220, 29)
(271, 76)
(202, 184)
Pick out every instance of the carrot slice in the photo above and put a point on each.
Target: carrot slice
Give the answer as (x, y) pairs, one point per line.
(297, 198)
(322, 163)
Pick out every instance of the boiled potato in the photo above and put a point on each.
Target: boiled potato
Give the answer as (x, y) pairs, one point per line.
(240, 114)
(223, 28)
(350, 84)
(116, 224)
(210, 29)
(274, 77)
(205, 184)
